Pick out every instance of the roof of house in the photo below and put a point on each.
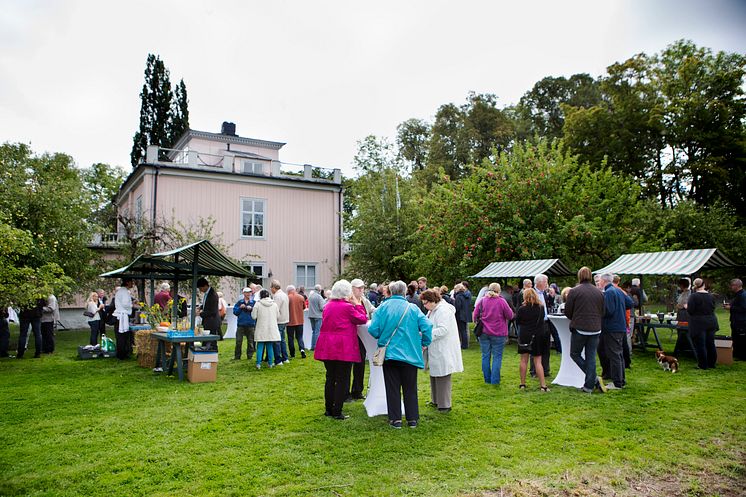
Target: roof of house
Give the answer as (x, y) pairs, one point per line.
(254, 142)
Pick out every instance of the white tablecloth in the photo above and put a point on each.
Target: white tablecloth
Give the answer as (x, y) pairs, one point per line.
(375, 398)
(569, 375)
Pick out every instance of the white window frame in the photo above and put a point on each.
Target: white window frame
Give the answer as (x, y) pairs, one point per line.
(263, 236)
(255, 264)
(256, 168)
(305, 283)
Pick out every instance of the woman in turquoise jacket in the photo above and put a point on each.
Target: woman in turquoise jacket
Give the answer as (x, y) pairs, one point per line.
(404, 330)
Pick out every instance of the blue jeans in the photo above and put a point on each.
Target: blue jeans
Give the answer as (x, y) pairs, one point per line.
(589, 344)
(281, 347)
(315, 329)
(260, 352)
(492, 348)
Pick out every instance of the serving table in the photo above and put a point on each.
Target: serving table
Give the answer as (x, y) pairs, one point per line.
(176, 355)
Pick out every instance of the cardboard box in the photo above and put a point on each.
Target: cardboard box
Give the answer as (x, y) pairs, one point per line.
(725, 351)
(202, 367)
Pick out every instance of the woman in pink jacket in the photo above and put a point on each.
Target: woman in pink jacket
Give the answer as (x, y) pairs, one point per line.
(494, 312)
(337, 345)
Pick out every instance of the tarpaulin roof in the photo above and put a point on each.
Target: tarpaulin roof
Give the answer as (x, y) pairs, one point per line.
(683, 262)
(208, 260)
(523, 269)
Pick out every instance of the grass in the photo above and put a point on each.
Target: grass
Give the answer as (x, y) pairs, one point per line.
(106, 427)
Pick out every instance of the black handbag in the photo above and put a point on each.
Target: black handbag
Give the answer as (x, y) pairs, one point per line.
(478, 326)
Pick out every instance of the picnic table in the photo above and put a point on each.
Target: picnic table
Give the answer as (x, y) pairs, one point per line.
(176, 354)
(643, 328)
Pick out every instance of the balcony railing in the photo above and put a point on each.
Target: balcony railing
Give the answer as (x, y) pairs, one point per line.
(107, 240)
(233, 162)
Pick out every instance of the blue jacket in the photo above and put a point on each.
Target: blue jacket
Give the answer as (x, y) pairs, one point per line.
(244, 315)
(616, 304)
(414, 332)
(463, 306)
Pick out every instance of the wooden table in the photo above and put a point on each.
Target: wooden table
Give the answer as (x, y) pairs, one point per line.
(643, 329)
(176, 355)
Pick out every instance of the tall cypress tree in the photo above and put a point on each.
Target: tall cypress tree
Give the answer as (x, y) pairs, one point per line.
(162, 118)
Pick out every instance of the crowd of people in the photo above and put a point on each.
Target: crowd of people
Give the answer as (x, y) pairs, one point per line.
(417, 327)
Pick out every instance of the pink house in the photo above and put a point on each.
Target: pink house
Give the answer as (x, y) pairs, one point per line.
(284, 220)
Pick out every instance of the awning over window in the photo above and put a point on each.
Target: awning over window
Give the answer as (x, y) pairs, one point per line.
(524, 269)
(677, 262)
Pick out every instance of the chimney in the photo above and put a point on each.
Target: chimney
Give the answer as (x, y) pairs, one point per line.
(228, 129)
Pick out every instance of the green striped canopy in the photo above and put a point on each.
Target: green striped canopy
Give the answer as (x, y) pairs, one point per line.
(199, 258)
(675, 262)
(524, 269)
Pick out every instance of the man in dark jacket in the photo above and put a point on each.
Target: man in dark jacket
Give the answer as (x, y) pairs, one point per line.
(30, 317)
(209, 312)
(4, 332)
(245, 324)
(738, 319)
(585, 309)
(614, 329)
(462, 298)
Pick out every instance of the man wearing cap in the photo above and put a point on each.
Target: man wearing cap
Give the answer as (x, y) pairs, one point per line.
(245, 324)
(358, 368)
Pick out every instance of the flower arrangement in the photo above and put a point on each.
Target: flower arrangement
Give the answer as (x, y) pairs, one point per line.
(157, 316)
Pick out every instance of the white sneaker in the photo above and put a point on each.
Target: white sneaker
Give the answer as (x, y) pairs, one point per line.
(258, 366)
(287, 362)
(611, 386)
(279, 364)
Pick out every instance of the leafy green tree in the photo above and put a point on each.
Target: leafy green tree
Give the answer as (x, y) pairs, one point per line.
(412, 137)
(102, 182)
(163, 119)
(540, 110)
(531, 202)
(674, 121)
(43, 196)
(381, 215)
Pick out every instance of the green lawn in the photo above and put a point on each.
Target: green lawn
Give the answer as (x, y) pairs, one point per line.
(105, 427)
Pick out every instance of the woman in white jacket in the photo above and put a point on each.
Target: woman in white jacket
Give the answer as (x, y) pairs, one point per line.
(266, 332)
(444, 352)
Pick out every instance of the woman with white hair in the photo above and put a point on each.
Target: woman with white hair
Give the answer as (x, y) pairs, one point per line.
(337, 346)
(404, 331)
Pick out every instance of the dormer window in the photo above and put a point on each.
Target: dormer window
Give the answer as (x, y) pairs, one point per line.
(252, 167)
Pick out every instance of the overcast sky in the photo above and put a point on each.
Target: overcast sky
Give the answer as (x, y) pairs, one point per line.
(318, 75)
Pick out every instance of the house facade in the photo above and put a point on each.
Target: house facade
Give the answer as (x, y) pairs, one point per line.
(283, 221)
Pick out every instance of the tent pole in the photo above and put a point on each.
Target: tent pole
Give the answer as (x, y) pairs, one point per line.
(176, 306)
(195, 264)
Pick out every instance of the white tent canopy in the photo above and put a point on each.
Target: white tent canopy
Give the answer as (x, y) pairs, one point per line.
(524, 269)
(676, 262)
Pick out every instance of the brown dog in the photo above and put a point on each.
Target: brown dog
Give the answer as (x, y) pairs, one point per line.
(667, 362)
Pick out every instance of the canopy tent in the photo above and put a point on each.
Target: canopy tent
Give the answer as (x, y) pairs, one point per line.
(524, 269)
(676, 262)
(188, 262)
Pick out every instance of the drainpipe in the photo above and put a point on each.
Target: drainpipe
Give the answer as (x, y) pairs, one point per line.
(155, 191)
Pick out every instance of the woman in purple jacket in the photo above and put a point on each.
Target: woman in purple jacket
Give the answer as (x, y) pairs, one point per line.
(337, 345)
(494, 313)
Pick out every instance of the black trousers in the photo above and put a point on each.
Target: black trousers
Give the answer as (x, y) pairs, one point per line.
(124, 343)
(614, 353)
(463, 333)
(35, 325)
(4, 337)
(401, 378)
(336, 386)
(704, 347)
(47, 337)
(739, 342)
(95, 327)
(295, 333)
(603, 359)
(358, 373)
